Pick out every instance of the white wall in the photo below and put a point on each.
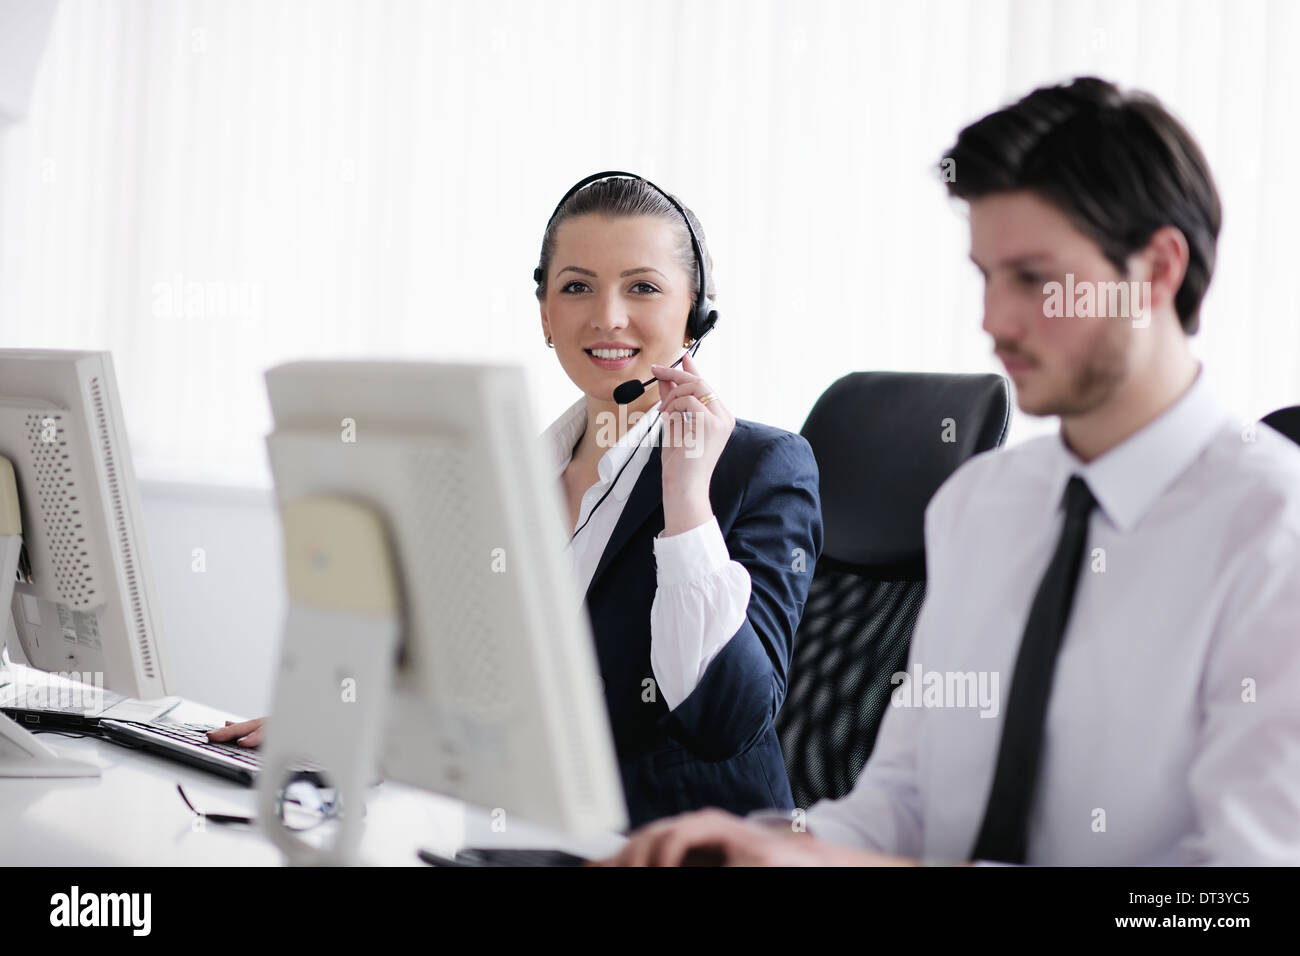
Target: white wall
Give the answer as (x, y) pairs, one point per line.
(222, 625)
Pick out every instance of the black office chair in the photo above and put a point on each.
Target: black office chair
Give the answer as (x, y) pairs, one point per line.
(1285, 420)
(884, 443)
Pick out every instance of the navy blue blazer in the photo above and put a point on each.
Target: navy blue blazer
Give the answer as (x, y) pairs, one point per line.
(719, 747)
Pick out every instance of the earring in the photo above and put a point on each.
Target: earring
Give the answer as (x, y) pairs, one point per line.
(687, 343)
(549, 343)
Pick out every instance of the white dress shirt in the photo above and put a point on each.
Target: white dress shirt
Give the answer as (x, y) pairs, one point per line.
(701, 595)
(1172, 733)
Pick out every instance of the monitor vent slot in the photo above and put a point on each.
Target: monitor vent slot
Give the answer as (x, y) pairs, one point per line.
(59, 509)
(119, 525)
(473, 667)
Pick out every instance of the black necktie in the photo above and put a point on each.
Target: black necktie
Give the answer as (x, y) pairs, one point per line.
(1006, 817)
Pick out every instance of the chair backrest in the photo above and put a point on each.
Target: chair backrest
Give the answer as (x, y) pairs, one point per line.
(884, 443)
(1285, 420)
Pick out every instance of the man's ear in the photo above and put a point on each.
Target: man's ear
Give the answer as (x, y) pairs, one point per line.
(1165, 256)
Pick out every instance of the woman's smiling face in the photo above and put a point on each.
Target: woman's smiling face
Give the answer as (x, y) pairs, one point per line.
(617, 298)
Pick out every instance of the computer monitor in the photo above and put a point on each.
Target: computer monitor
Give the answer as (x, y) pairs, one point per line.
(472, 671)
(82, 603)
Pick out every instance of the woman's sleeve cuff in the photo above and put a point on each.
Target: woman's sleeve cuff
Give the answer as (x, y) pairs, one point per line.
(692, 555)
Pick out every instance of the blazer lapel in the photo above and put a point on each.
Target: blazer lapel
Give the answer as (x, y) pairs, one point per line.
(646, 496)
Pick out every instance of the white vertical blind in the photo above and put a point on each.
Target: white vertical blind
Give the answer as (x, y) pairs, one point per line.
(207, 188)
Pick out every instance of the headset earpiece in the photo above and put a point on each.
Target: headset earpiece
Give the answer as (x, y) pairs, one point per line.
(702, 320)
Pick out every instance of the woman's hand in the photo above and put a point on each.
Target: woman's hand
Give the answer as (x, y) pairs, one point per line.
(689, 450)
(247, 733)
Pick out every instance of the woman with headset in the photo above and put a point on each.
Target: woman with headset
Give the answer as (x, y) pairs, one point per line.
(694, 534)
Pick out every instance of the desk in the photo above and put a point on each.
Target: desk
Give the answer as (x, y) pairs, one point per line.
(133, 816)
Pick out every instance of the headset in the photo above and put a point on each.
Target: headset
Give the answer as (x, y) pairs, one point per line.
(703, 316)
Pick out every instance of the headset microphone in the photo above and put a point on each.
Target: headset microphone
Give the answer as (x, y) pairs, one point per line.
(631, 390)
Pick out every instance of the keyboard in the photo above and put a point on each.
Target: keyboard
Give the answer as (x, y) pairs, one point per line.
(189, 744)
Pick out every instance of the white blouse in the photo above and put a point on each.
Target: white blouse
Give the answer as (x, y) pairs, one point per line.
(701, 597)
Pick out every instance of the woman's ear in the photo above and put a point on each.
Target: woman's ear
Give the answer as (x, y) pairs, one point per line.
(546, 322)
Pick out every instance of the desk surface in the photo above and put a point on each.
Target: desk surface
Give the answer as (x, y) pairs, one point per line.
(133, 816)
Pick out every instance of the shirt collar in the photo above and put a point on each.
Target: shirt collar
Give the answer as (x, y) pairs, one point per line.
(564, 432)
(1127, 480)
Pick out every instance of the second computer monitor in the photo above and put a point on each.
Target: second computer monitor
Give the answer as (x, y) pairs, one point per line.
(496, 696)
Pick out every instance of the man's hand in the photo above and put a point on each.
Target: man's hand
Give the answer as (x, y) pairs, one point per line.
(715, 838)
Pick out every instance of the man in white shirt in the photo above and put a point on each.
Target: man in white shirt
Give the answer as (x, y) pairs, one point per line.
(1131, 585)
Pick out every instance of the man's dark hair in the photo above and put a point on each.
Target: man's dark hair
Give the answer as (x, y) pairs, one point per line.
(1118, 164)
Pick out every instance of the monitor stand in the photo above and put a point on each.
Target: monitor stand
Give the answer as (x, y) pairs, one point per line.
(21, 754)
